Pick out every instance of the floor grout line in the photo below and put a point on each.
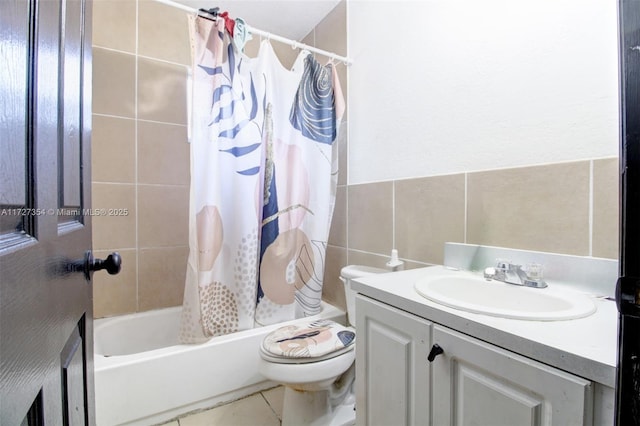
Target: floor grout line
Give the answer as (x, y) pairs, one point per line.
(270, 407)
(179, 422)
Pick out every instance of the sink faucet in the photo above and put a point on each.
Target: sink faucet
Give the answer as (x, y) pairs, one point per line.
(512, 274)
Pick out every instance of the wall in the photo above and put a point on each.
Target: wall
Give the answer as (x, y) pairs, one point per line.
(569, 208)
(458, 144)
(140, 151)
(466, 85)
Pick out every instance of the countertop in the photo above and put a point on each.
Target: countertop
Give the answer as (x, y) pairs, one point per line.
(586, 347)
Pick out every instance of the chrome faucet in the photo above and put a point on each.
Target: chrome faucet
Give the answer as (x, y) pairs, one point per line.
(510, 273)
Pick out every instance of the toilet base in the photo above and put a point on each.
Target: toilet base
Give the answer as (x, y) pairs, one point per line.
(313, 395)
(314, 408)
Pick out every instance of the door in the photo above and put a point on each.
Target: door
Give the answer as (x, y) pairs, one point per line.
(628, 291)
(392, 372)
(476, 383)
(46, 349)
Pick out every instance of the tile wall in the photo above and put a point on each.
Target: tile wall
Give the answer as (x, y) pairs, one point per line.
(140, 153)
(569, 208)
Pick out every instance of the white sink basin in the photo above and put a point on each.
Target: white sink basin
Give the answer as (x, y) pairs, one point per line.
(475, 294)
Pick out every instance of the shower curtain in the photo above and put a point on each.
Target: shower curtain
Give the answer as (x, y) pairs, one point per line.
(263, 179)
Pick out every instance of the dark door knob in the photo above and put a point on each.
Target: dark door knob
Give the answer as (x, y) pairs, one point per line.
(112, 264)
(628, 296)
(435, 351)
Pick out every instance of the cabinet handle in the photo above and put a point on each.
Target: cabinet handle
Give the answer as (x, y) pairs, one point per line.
(435, 351)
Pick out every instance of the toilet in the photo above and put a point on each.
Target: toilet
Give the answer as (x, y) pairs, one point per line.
(315, 361)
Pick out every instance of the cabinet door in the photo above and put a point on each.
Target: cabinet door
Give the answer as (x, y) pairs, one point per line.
(392, 372)
(475, 383)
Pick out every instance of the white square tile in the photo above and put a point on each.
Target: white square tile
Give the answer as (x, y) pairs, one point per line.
(275, 398)
(250, 411)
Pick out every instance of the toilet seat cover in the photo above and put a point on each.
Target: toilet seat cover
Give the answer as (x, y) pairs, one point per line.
(309, 339)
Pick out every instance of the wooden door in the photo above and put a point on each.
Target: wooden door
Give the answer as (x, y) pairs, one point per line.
(628, 291)
(475, 383)
(46, 342)
(392, 372)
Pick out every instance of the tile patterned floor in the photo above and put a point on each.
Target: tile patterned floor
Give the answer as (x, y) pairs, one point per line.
(260, 409)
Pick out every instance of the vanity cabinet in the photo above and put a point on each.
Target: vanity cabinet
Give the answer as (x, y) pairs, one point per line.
(476, 383)
(392, 374)
(469, 382)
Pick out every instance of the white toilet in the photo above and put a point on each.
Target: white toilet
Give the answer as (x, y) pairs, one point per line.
(318, 387)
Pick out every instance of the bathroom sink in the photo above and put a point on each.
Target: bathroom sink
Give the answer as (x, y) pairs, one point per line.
(475, 294)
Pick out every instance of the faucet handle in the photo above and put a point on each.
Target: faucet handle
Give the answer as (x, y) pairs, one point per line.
(534, 271)
(489, 273)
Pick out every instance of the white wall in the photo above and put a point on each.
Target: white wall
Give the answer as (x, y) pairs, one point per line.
(445, 86)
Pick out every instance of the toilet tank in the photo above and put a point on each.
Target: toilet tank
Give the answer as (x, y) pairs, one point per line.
(346, 275)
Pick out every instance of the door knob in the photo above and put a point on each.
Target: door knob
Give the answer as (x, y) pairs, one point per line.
(435, 351)
(112, 264)
(628, 296)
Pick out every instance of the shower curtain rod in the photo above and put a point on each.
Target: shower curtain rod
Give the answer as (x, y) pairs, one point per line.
(295, 44)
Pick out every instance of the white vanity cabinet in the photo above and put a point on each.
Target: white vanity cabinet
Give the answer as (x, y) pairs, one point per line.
(392, 372)
(475, 383)
(470, 383)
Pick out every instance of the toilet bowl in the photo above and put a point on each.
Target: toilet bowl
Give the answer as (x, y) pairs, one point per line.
(316, 364)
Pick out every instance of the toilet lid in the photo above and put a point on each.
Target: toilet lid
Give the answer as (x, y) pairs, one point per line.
(308, 341)
(283, 360)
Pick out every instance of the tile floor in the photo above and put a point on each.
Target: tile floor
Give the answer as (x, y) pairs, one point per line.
(260, 409)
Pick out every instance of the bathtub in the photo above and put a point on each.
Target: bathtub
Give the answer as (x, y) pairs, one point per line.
(143, 376)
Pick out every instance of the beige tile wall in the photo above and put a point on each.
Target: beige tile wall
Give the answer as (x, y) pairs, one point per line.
(544, 208)
(140, 152)
(569, 208)
(437, 205)
(605, 208)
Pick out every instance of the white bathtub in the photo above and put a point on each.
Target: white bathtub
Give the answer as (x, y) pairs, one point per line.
(143, 376)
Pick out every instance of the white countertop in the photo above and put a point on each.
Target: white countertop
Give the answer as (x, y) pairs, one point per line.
(586, 347)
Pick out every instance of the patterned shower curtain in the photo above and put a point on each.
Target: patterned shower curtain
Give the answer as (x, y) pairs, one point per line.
(263, 179)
